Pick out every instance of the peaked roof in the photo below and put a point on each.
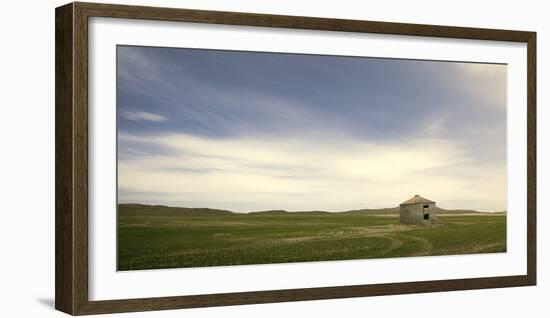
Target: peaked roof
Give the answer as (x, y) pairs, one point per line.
(417, 199)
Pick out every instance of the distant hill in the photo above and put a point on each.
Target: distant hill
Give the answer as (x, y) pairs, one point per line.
(374, 211)
(130, 209)
(284, 212)
(162, 210)
(458, 211)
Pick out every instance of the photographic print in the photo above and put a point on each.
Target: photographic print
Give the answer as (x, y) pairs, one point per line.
(240, 158)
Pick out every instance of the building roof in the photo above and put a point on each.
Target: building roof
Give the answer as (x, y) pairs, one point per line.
(417, 200)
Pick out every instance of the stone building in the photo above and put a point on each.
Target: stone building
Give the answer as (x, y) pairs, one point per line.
(417, 210)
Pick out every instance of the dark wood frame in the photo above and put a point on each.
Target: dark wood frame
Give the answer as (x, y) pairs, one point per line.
(71, 156)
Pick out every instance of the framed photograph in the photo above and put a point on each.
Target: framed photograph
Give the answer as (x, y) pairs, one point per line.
(209, 158)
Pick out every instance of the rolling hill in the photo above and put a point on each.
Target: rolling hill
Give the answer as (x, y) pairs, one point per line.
(129, 209)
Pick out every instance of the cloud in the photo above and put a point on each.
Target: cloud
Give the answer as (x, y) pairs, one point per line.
(143, 116)
(133, 64)
(307, 173)
(485, 82)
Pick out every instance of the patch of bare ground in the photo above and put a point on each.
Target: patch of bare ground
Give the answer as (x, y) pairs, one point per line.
(351, 232)
(377, 230)
(301, 238)
(222, 235)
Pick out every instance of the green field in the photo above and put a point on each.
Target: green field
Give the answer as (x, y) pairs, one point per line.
(162, 237)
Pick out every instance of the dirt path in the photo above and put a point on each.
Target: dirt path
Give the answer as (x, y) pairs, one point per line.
(426, 246)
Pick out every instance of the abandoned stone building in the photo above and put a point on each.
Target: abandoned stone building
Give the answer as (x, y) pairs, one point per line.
(417, 210)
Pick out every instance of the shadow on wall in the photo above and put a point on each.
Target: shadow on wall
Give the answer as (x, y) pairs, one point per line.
(48, 302)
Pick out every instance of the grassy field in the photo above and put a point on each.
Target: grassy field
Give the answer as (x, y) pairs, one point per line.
(161, 237)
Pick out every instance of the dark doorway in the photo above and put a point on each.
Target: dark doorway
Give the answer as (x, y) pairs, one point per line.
(426, 216)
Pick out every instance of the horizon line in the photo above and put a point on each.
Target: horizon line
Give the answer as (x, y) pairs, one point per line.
(299, 211)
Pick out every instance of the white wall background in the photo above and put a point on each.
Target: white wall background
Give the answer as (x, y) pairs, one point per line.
(27, 158)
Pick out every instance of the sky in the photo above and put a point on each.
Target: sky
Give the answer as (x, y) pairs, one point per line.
(253, 131)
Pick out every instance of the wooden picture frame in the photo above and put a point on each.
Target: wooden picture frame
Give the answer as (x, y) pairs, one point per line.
(71, 90)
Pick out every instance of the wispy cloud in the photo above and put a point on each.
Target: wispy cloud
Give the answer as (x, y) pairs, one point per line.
(336, 174)
(485, 82)
(143, 116)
